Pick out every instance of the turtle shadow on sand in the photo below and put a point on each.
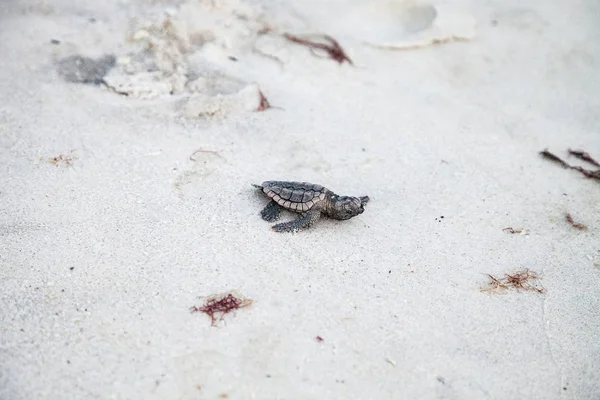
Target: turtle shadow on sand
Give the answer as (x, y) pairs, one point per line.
(310, 201)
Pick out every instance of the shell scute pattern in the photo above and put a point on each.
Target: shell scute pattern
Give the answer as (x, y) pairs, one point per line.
(297, 196)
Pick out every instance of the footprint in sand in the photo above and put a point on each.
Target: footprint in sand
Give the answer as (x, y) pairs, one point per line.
(204, 163)
(305, 156)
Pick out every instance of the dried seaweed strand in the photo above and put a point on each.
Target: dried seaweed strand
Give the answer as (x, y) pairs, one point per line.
(517, 281)
(217, 306)
(333, 49)
(585, 156)
(588, 173)
(574, 224)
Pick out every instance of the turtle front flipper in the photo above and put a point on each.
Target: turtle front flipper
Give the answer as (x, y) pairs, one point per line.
(305, 221)
(271, 212)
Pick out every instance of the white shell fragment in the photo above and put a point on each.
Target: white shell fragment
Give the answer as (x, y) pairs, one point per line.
(447, 26)
(404, 24)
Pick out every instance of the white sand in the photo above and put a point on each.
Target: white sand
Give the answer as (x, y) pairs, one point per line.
(100, 261)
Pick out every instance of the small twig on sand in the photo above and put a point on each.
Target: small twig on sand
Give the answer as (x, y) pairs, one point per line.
(578, 226)
(333, 49)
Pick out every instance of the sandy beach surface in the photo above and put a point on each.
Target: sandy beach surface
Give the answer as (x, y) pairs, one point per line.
(131, 133)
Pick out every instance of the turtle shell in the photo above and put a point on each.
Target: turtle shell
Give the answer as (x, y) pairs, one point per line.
(295, 196)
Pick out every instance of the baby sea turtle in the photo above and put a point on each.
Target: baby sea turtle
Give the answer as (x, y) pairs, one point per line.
(311, 201)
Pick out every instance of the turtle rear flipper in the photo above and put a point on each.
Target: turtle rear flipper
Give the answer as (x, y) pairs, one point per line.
(257, 186)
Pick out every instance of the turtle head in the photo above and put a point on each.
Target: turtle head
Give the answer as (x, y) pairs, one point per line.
(345, 207)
